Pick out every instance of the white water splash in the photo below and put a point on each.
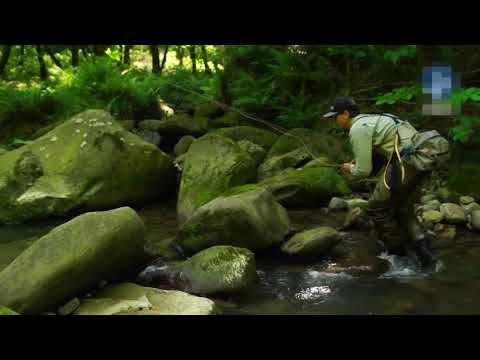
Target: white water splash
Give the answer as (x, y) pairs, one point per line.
(404, 267)
(313, 293)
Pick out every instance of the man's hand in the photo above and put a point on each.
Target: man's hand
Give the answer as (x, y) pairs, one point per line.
(347, 167)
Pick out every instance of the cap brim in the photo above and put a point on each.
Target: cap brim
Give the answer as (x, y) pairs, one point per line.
(330, 114)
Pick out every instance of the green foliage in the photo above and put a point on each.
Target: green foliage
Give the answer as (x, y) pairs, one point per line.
(401, 94)
(408, 51)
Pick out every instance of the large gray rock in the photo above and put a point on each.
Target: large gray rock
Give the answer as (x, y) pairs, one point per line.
(87, 163)
(131, 299)
(252, 220)
(219, 269)
(72, 258)
(453, 213)
(212, 165)
(149, 136)
(313, 242)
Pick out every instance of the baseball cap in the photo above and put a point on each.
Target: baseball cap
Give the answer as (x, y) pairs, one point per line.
(340, 104)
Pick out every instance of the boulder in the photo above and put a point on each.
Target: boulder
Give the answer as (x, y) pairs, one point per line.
(87, 163)
(427, 198)
(175, 127)
(313, 186)
(212, 165)
(183, 145)
(432, 216)
(254, 150)
(338, 204)
(3, 151)
(465, 200)
(471, 207)
(360, 203)
(313, 242)
(72, 258)
(69, 307)
(262, 137)
(132, 299)
(453, 213)
(219, 269)
(252, 220)
(277, 164)
(127, 124)
(229, 119)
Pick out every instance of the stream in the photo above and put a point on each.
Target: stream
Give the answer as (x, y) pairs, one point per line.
(322, 287)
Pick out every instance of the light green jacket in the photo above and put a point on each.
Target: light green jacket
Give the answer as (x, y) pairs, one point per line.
(375, 133)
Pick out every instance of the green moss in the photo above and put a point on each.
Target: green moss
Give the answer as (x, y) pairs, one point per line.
(261, 137)
(6, 311)
(239, 190)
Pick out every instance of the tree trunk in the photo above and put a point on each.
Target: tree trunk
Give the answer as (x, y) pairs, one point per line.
(52, 56)
(41, 62)
(5, 57)
(126, 54)
(164, 60)
(155, 59)
(182, 52)
(193, 58)
(74, 51)
(205, 60)
(100, 50)
(22, 55)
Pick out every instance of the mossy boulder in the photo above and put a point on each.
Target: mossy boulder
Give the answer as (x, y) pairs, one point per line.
(262, 137)
(6, 311)
(229, 119)
(312, 243)
(251, 220)
(87, 163)
(218, 269)
(132, 299)
(313, 186)
(72, 258)
(277, 164)
(212, 165)
(317, 143)
(254, 150)
(183, 145)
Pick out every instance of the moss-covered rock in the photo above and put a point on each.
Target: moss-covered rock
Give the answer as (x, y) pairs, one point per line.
(131, 299)
(277, 164)
(252, 220)
(313, 242)
(254, 150)
(72, 258)
(149, 136)
(212, 165)
(183, 145)
(6, 311)
(229, 119)
(313, 186)
(318, 144)
(261, 137)
(219, 269)
(87, 163)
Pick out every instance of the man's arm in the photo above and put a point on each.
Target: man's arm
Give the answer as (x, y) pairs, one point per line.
(361, 139)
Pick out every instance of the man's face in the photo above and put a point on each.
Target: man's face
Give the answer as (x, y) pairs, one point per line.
(343, 119)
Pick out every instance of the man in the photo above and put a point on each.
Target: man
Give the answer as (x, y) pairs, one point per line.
(396, 189)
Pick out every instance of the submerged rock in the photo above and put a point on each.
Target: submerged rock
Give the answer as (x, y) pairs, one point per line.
(252, 220)
(73, 258)
(131, 299)
(86, 163)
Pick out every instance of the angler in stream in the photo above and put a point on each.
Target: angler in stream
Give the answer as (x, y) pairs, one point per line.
(411, 155)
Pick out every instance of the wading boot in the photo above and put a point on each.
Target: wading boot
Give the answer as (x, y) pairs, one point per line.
(421, 244)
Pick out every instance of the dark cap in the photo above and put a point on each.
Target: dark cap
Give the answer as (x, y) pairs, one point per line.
(341, 104)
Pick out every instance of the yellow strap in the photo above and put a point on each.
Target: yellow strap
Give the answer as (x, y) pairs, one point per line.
(390, 159)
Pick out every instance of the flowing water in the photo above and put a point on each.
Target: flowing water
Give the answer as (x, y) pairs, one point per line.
(322, 287)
